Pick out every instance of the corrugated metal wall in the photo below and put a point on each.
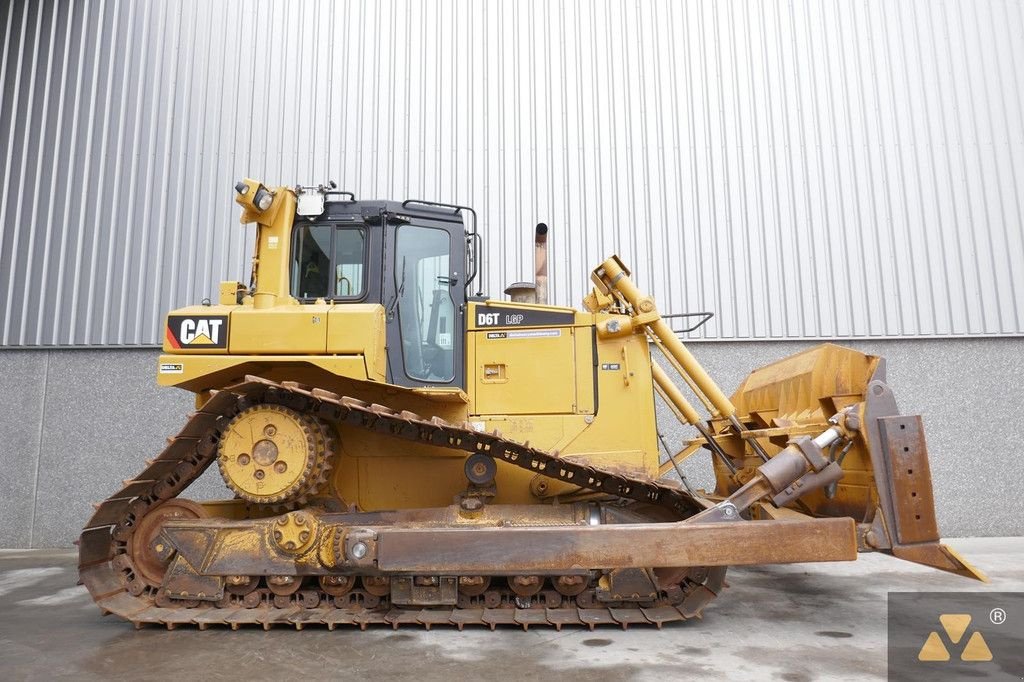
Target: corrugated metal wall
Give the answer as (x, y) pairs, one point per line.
(804, 169)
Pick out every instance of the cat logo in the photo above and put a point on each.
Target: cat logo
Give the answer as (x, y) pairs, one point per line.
(955, 625)
(188, 331)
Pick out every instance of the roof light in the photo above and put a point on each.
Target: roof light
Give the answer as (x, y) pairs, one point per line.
(263, 198)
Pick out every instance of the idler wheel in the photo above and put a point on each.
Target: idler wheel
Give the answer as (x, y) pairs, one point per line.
(150, 554)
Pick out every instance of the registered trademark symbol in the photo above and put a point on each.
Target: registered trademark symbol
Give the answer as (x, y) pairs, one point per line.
(997, 616)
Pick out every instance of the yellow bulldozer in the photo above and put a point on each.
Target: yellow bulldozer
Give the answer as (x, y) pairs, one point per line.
(401, 451)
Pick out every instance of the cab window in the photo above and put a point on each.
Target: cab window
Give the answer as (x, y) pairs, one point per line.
(328, 262)
(425, 308)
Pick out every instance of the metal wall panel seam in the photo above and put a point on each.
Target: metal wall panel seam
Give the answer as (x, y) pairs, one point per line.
(1004, 218)
(659, 257)
(22, 170)
(392, 78)
(1017, 280)
(582, 130)
(791, 94)
(838, 252)
(860, 220)
(202, 275)
(952, 189)
(90, 331)
(247, 153)
(72, 159)
(552, 153)
(902, 168)
(42, 311)
(959, 131)
(116, 189)
(812, 286)
(4, 63)
(627, 144)
(977, 147)
(199, 146)
(731, 192)
(894, 286)
(135, 172)
(87, 173)
(37, 194)
(183, 150)
(8, 160)
(1017, 274)
(778, 313)
(170, 109)
(740, 327)
(759, 326)
(827, 238)
(5, 58)
(691, 145)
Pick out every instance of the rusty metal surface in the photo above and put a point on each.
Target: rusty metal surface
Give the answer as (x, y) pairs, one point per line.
(900, 522)
(627, 583)
(634, 546)
(424, 591)
(907, 455)
(938, 555)
(224, 547)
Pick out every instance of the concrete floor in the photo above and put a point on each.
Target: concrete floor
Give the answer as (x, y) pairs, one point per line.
(795, 623)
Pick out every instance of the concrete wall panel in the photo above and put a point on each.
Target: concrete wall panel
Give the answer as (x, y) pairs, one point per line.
(104, 417)
(22, 378)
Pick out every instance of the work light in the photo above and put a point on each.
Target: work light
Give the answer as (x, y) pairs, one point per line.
(263, 198)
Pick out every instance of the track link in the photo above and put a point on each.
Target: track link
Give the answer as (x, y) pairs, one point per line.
(107, 570)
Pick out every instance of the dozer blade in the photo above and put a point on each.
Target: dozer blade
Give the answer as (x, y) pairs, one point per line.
(886, 486)
(903, 482)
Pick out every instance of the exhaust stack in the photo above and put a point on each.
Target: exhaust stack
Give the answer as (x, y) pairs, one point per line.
(540, 262)
(536, 291)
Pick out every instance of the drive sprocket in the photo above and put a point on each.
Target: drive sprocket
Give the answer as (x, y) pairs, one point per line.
(273, 455)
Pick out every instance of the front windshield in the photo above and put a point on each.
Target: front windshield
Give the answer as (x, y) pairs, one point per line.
(328, 262)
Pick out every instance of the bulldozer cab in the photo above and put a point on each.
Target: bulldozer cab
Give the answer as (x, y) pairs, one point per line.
(411, 258)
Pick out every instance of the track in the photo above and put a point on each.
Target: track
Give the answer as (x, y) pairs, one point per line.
(107, 568)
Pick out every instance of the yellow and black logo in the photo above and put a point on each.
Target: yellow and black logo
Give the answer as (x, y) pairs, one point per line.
(955, 636)
(955, 626)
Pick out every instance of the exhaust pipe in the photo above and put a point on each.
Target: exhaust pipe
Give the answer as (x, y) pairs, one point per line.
(540, 261)
(537, 290)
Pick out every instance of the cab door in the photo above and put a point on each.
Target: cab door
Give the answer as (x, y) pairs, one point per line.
(424, 302)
